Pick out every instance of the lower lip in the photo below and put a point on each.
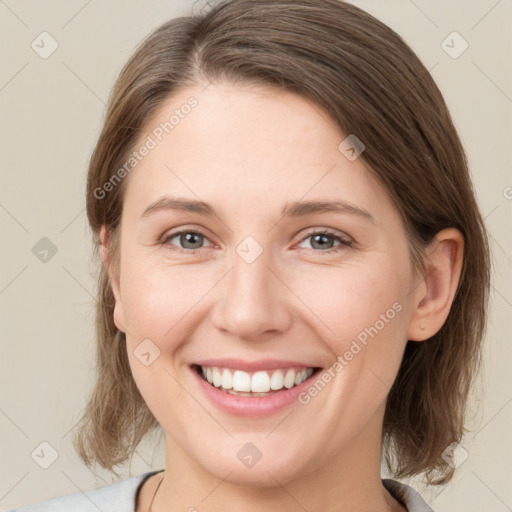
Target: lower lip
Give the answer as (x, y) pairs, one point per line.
(252, 406)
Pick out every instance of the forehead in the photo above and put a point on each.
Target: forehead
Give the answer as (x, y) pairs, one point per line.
(247, 145)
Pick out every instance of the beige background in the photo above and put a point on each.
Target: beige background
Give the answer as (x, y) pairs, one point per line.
(51, 113)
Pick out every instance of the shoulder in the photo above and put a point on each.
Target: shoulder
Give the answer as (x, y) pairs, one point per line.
(407, 495)
(117, 497)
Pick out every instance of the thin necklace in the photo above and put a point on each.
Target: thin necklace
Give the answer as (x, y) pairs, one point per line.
(156, 490)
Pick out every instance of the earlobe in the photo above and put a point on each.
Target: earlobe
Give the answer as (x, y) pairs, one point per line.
(433, 301)
(118, 313)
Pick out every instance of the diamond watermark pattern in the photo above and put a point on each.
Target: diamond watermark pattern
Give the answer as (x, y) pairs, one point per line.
(351, 147)
(454, 455)
(44, 250)
(454, 45)
(44, 45)
(44, 455)
(146, 352)
(249, 455)
(249, 249)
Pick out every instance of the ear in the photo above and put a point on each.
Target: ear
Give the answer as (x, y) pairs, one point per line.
(119, 317)
(434, 296)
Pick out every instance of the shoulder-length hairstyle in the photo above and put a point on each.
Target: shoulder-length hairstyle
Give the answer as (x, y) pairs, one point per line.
(372, 85)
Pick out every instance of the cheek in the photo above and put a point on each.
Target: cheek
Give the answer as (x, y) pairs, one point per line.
(361, 316)
(156, 296)
(347, 302)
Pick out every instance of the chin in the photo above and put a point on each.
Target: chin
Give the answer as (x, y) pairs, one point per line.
(276, 468)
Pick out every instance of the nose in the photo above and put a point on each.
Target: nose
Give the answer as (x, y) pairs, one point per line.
(253, 300)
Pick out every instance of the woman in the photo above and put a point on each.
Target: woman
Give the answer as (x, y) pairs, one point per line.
(294, 271)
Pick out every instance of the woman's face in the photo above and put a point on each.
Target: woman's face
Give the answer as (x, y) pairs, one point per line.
(252, 285)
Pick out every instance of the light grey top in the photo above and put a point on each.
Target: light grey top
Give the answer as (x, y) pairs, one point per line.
(121, 497)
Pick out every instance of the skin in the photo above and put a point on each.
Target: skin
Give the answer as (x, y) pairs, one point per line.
(247, 150)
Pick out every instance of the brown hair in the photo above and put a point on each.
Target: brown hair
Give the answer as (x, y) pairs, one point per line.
(372, 85)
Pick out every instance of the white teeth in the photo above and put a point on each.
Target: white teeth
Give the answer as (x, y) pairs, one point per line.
(276, 381)
(227, 379)
(289, 380)
(241, 381)
(217, 377)
(300, 377)
(258, 382)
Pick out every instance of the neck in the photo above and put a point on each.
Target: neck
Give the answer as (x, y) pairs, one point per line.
(345, 481)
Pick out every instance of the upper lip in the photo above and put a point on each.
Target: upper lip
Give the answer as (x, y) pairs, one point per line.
(250, 366)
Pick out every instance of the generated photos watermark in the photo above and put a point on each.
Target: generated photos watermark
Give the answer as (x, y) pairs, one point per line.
(151, 142)
(355, 348)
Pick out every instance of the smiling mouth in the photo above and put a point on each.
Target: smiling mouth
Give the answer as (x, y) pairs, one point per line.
(254, 384)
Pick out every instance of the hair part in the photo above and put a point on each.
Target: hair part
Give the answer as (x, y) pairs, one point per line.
(372, 85)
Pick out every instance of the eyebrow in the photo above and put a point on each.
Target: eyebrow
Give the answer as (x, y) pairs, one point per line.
(291, 209)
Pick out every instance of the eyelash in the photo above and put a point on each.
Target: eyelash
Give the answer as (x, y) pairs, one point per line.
(344, 244)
